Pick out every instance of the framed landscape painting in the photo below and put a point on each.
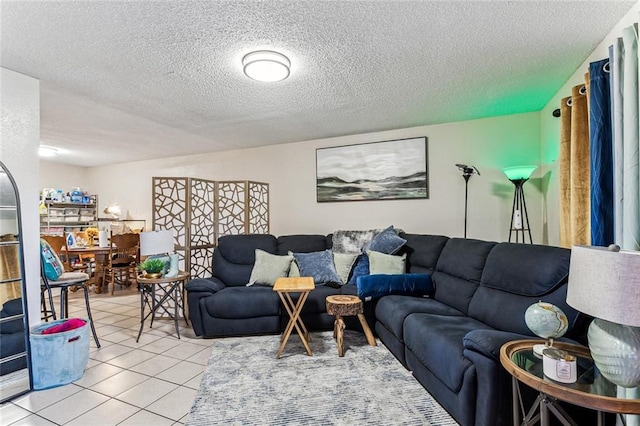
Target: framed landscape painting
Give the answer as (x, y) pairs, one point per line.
(388, 170)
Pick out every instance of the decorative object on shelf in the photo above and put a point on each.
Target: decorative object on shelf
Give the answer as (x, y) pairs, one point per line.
(199, 211)
(467, 172)
(547, 321)
(266, 65)
(92, 233)
(388, 170)
(113, 211)
(519, 216)
(605, 283)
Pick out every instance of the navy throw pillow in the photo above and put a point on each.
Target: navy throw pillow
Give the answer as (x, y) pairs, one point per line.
(375, 286)
(319, 265)
(387, 242)
(361, 268)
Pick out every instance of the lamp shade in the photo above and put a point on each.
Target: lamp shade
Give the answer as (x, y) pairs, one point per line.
(156, 242)
(605, 284)
(518, 172)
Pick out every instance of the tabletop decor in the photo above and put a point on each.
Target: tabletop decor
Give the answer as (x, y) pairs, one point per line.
(373, 171)
(547, 321)
(605, 283)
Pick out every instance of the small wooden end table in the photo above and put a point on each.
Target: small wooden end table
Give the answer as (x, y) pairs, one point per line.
(172, 290)
(284, 286)
(592, 390)
(346, 305)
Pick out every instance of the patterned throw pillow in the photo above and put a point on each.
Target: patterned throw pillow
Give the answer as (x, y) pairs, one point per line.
(53, 266)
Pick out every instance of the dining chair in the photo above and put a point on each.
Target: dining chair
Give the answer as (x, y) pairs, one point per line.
(64, 283)
(123, 256)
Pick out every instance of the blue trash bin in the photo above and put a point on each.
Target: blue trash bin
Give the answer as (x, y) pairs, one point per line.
(58, 358)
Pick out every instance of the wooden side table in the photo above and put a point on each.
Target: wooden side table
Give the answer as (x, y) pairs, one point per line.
(172, 290)
(592, 390)
(284, 286)
(345, 305)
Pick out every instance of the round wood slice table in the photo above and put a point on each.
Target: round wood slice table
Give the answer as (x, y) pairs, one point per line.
(342, 306)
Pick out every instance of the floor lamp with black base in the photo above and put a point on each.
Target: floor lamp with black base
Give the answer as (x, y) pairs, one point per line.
(519, 217)
(467, 172)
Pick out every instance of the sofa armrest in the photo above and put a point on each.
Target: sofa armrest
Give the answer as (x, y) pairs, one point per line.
(210, 285)
(489, 342)
(198, 290)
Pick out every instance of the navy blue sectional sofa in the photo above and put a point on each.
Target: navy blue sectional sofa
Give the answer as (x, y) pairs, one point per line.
(450, 340)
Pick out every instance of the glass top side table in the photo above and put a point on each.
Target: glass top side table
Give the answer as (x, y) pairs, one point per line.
(591, 390)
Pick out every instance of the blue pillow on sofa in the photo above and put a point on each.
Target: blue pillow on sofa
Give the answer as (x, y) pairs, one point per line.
(375, 286)
(360, 269)
(387, 242)
(319, 265)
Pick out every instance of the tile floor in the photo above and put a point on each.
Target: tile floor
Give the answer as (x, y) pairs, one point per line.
(152, 382)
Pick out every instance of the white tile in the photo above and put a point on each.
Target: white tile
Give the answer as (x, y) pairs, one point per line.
(33, 420)
(182, 372)
(155, 365)
(108, 352)
(132, 358)
(119, 383)
(145, 339)
(118, 336)
(201, 357)
(10, 413)
(111, 412)
(183, 350)
(147, 392)
(145, 418)
(97, 374)
(128, 323)
(37, 400)
(161, 345)
(69, 408)
(175, 405)
(195, 382)
(111, 319)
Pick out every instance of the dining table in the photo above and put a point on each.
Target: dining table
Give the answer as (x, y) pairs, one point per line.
(101, 255)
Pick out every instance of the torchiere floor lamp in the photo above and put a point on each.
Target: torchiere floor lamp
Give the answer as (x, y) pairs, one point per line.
(467, 171)
(519, 216)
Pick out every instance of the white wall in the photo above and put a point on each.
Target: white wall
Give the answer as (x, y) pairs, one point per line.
(550, 126)
(489, 144)
(62, 176)
(19, 139)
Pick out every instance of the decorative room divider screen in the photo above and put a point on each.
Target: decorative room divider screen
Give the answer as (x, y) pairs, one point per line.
(199, 211)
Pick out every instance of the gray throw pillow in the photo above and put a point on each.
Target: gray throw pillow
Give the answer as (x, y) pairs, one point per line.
(318, 265)
(268, 268)
(380, 263)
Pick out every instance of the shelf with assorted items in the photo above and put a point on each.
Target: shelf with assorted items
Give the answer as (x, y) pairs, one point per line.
(58, 218)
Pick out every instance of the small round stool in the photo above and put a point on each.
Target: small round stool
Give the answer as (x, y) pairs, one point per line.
(340, 306)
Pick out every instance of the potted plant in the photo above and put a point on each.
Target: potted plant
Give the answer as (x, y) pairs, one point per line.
(152, 268)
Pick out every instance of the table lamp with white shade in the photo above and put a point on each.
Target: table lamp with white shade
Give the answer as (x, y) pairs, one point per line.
(159, 244)
(605, 284)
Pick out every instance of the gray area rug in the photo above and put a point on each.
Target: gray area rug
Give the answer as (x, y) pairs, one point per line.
(244, 384)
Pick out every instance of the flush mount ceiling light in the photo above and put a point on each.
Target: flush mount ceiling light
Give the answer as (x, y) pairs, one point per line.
(47, 151)
(266, 65)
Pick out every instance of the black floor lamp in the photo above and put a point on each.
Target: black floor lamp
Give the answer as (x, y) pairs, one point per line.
(519, 216)
(467, 171)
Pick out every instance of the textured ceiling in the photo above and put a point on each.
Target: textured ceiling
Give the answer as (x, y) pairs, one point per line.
(134, 80)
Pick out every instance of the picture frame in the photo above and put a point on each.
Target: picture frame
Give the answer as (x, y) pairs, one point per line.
(386, 170)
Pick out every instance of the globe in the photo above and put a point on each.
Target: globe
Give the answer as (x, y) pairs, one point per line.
(546, 320)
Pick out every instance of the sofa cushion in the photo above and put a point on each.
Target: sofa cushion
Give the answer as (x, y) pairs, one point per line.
(526, 269)
(422, 251)
(436, 341)
(234, 257)
(459, 270)
(376, 286)
(380, 263)
(302, 243)
(243, 302)
(386, 241)
(391, 311)
(269, 267)
(318, 265)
